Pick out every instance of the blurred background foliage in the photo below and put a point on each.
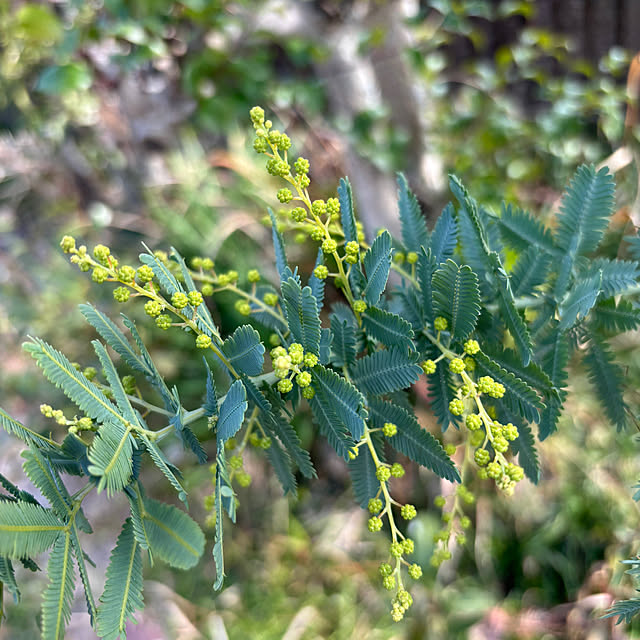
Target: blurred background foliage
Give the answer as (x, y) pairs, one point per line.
(126, 121)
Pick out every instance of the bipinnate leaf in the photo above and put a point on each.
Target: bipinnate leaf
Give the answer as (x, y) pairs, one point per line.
(302, 315)
(164, 466)
(441, 392)
(8, 578)
(316, 284)
(25, 434)
(110, 456)
(283, 467)
(278, 244)
(122, 594)
(385, 371)
(412, 440)
(530, 271)
(231, 414)
(579, 301)
(210, 405)
(113, 379)
(45, 476)
(343, 345)
(58, 370)
(245, 351)
(614, 317)
(444, 236)
(388, 328)
(617, 275)
(161, 271)
(524, 445)
(332, 428)
(413, 225)
(509, 314)
(112, 335)
(173, 535)
(626, 610)
(377, 264)
(586, 207)
(58, 596)
(456, 297)
(362, 470)
(607, 378)
(27, 529)
(346, 402)
(519, 396)
(201, 315)
(521, 231)
(276, 425)
(426, 267)
(347, 213)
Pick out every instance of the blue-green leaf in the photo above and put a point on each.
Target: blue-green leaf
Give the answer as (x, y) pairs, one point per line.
(519, 396)
(412, 223)
(58, 596)
(522, 231)
(377, 263)
(426, 267)
(281, 463)
(232, 410)
(164, 466)
(616, 318)
(27, 529)
(210, 405)
(524, 446)
(8, 578)
(441, 392)
(362, 470)
(344, 399)
(586, 207)
(343, 344)
(388, 328)
(278, 244)
(110, 456)
(302, 315)
(218, 554)
(58, 370)
(530, 271)
(385, 371)
(317, 286)
(412, 440)
(607, 379)
(579, 301)
(24, 433)
(444, 236)
(162, 272)
(456, 297)
(47, 479)
(617, 275)
(245, 350)
(346, 211)
(333, 429)
(276, 425)
(122, 594)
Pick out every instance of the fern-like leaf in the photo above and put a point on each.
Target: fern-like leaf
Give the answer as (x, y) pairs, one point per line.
(530, 271)
(58, 596)
(163, 465)
(607, 379)
(444, 236)
(278, 244)
(343, 344)
(521, 231)
(413, 225)
(388, 328)
(115, 339)
(110, 456)
(25, 434)
(626, 610)
(27, 529)
(614, 317)
(426, 268)
(441, 392)
(46, 478)
(302, 315)
(617, 275)
(385, 371)
(509, 313)
(519, 396)
(232, 410)
(579, 301)
(362, 470)
(412, 440)
(524, 445)
(333, 429)
(245, 350)
(456, 297)
(347, 213)
(282, 465)
(277, 426)
(377, 264)
(162, 272)
(122, 595)
(173, 535)
(58, 370)
(316, 284)
(8, 579)
(346, 402)
(586, 207)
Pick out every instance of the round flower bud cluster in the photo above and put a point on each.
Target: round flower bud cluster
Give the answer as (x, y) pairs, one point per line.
(389, 429)
(486, 384)
(49, 412)
(440, 324)
(359, 306)
(456, 365)
(352, 252)
(290, 365)
(428, 366)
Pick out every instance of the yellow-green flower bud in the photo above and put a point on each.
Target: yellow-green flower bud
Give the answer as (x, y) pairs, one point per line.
(389, 429)
(415, 571)
(153, 308)
(99, 275)
(101, 254)
(329, 245)
(398, 257)
(284, 195)
(144, 274)
(90, 373)
(321, 272)
(471, 347)
(333, 208)
(126, 274)
(408, 511)
(68, 244)
(412, 257)
(428, 366)
(207, 289)
(383, 473)
(203, 341)
(359, 306)
(129, 384)
(284, 386)
(179, 300)
(303, 379)
(163, 321)
(121, 294)
(308, 392)
(473, 422)
(397, 470)
(253, 275)
(456, 365)
(482, 457)
(195, 298)
(301, 165)
(374, 524)
(310, 360)
(440, 324)
(396, 549)
(456, 407)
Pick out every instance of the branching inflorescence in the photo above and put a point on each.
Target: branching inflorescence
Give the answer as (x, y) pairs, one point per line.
(454, 316)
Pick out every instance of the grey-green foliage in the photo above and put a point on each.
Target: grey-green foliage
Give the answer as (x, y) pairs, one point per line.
(557, 295)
